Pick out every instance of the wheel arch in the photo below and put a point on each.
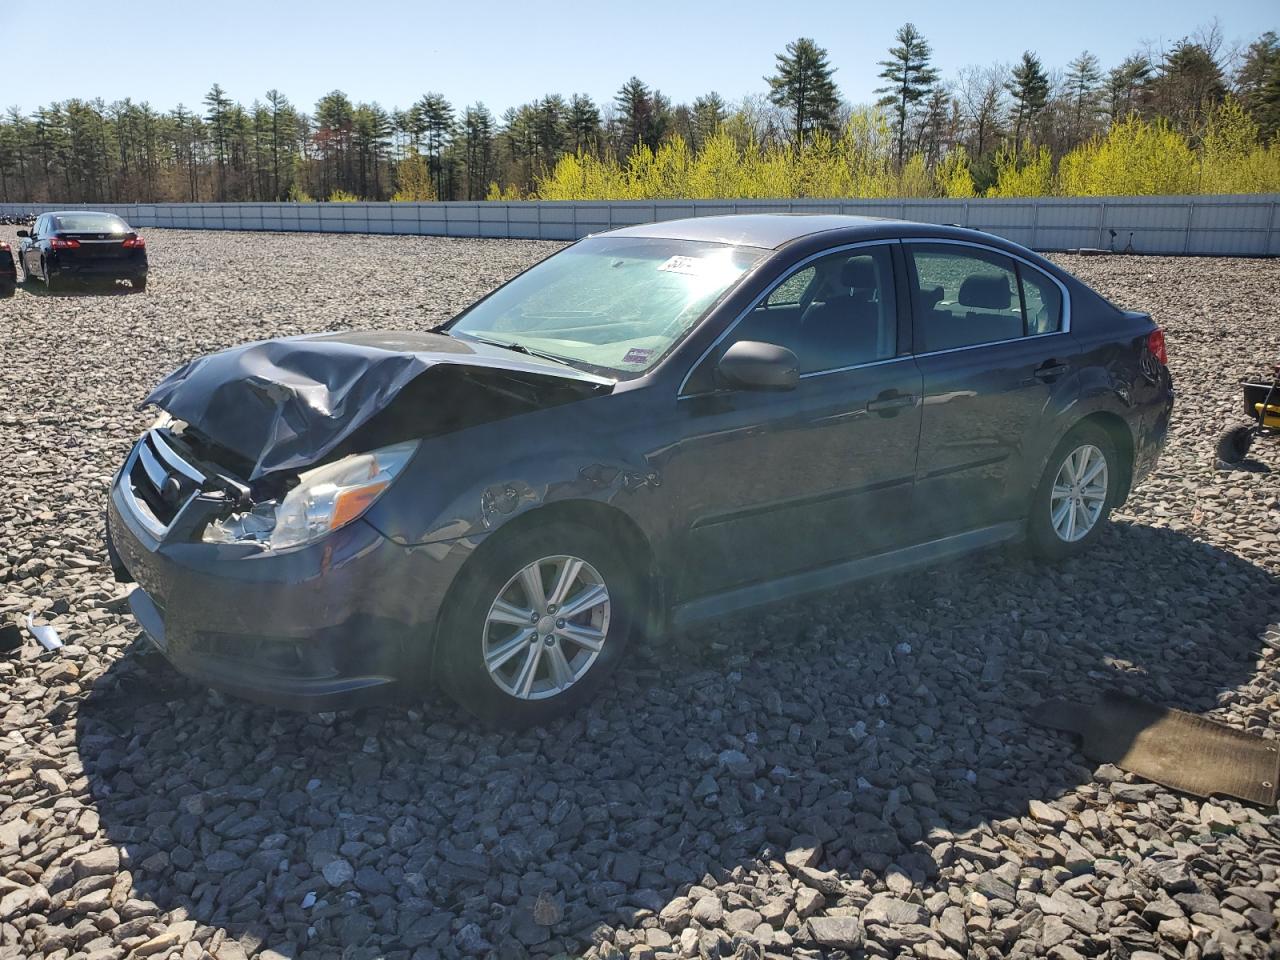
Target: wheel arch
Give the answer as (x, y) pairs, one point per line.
(593, 514)
(1117, 428)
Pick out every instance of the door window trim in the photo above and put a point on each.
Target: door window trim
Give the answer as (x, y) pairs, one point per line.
(764, 294)
(1019, 260)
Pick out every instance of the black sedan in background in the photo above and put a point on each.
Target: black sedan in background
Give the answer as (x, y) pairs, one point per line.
(8, 273)
(659, 425)
(82, 245)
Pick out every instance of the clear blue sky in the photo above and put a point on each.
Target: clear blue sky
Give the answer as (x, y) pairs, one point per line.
(505, 53)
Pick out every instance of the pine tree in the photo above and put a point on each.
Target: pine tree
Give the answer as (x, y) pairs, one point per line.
(709, 112)
(583, 123)
(804, 87)
(910, 79)
(434, 118)
(1258, 83)
(477, 149)
(1084, 74)
(219, 105)
(1029, 88)
(637, 118)
(1127, 87)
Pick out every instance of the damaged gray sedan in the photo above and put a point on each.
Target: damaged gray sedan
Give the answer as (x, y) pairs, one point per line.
(655, 426)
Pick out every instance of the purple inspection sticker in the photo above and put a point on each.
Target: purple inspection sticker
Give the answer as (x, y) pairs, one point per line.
(637, 355)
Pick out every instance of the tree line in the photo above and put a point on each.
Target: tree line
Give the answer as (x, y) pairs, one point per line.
(1193, 116)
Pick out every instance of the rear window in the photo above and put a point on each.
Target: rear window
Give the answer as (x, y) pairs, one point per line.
(89, 223)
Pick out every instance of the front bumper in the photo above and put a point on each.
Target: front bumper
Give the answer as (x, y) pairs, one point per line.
(336, 624)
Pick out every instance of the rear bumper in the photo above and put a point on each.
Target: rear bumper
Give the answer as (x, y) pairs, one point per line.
(344, 622)
(115, 267)
(1152, 429)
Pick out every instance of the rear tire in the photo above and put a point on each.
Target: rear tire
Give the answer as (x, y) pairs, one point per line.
(1234, 443)
(139, 284)
(1074, 494)
(50, 284)
(507, 671)
(7, 290)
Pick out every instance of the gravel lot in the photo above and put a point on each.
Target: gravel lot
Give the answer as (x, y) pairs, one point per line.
(850, 774)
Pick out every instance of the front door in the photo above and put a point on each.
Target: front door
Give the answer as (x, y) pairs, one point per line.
(992, 350)
(777, 483)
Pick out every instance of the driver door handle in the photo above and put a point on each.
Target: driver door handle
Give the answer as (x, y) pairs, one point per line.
(889, 402)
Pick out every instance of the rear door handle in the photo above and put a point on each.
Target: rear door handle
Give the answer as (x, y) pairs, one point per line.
(889, 402)
(1050, 370)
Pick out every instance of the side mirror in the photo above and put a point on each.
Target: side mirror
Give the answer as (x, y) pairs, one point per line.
(23, 233)
(752, 365)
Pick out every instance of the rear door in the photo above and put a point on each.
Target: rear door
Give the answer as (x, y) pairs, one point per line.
(777, 483)
(995, 357)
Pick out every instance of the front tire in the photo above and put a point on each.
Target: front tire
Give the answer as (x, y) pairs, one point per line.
(1075, 495)
(537, 624)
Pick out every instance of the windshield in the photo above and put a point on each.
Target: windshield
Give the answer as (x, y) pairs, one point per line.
(617, 304)
(89, 223)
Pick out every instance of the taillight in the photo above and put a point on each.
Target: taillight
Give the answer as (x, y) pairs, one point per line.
(4, 247)
(58, 243)
(135, 243)
(1155, 345)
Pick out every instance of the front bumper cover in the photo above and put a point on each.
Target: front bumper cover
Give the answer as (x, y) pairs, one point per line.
(334, 624)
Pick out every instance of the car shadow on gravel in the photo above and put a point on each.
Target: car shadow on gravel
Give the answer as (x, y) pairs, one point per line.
(37, 289)
(888, 721)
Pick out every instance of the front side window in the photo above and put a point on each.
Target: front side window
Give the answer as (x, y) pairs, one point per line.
(837, 311)
(614, 304)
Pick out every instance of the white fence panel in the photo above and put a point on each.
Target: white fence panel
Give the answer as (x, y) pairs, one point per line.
(1233, 225)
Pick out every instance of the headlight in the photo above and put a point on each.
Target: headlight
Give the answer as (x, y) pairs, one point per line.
(325, 499)
(165, 420)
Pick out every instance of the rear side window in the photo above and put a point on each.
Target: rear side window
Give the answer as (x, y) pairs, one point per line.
(963, 296)
(1043, 301)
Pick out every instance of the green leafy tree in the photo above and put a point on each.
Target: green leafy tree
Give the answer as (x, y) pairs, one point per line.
(804, 86)
(1128, 88)
(909, 79)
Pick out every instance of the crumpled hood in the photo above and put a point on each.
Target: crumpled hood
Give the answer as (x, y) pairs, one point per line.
(286, 403)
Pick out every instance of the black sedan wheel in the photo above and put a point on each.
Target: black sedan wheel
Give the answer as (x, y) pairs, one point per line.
(1075, 495)
(538, 626)
(7, 289)
(139, 284)
(50, 284)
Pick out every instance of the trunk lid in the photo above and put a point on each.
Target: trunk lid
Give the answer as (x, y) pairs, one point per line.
(287, 403)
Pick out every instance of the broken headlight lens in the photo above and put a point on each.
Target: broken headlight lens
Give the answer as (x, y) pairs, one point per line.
(325, 499)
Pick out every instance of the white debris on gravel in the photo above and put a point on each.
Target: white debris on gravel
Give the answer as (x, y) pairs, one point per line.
(711, 802)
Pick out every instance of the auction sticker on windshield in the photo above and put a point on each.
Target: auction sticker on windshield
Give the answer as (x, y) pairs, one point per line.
(637, 355)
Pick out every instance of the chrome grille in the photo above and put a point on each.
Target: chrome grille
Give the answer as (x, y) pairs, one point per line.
(159, 483)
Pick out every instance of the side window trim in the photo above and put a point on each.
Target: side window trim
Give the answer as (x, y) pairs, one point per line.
(764, 295)
(1019, 262)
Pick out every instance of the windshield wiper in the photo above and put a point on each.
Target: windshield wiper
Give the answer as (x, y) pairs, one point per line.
(521, 348)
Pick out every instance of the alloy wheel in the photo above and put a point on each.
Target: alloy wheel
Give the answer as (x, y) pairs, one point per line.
(1079, 493)
(546, 627)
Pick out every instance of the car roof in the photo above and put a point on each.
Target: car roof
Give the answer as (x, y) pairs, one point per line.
(82, 213)
(767, 230)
